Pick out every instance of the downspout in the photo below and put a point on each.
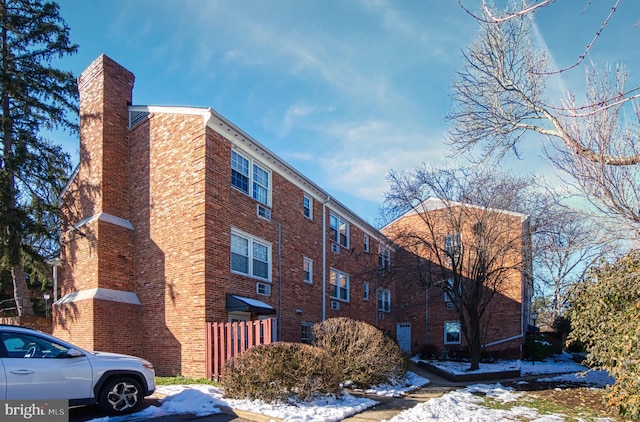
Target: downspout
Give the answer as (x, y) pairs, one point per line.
(324, 258)
(279, 281)
(426, 315)
(55, 283)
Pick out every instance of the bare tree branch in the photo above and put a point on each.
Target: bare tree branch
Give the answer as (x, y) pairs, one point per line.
(490, 16)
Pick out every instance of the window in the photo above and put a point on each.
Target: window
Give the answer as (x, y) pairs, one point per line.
(366, 290)
(451, 296)
(243, 171)
(307, 332)
(339, 285)
(250, 256)
(21, 345)
(239, 172)
(260, 184)
(452, 332)
(452, 244)
(339, 230)
(384, 300)
(307, 266)
(385, 259)
(366, 243)
(307, 206)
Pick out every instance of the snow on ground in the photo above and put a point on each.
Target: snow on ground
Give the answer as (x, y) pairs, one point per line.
(460, 405)
(202, 400)
(464, 405)
(558, 364)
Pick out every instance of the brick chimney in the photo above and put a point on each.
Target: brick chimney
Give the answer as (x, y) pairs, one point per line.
(98, 308)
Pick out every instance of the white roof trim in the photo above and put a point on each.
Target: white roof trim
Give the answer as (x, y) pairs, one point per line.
(102, 294)
(432, 204)
(109, 218)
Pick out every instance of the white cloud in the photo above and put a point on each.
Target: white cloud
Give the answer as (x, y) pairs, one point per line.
(361, 154)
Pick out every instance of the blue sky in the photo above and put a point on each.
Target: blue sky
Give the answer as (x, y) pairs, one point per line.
(343, 90)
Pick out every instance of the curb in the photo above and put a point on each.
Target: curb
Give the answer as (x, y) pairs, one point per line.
(251, 416)
(485, 376)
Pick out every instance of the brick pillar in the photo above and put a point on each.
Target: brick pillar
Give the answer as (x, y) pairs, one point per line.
(98, 288)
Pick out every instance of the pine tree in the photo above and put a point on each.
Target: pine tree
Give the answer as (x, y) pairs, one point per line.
(34, 98)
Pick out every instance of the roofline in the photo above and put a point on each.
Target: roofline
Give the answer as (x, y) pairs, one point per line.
(220, 124)
(432, 203)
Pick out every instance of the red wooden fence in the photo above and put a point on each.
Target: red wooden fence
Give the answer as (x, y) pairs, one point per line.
(226, 340)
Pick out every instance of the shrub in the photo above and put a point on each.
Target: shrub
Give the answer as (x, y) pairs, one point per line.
(429, 351)
(281, 371)
(537, 347)
(605, 310)
(363, 354)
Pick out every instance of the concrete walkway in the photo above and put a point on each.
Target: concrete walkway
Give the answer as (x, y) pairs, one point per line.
(391, 406)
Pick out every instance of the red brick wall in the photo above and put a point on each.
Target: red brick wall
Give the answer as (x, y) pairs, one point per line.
(75, 322)
(167, 184)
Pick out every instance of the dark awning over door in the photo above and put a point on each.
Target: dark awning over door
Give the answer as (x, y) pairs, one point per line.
(246, 304)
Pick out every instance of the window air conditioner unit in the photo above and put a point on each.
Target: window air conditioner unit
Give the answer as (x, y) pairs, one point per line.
(264, 212)
(335, 248)
(335, 305)
(263, 289)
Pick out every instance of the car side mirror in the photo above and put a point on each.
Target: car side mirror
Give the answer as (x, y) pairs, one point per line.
(74, 353)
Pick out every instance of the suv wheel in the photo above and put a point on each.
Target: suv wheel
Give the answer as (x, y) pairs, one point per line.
(120, 395)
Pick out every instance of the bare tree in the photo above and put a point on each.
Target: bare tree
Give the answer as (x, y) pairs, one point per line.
(459, 220)
(565, 246)
(500, 96)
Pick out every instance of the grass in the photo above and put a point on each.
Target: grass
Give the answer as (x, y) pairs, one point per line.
(579, 404)
(180, 380)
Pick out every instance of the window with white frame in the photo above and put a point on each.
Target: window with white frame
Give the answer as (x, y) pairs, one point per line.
(384, 300)
(306, 332)
(250, 256)
(385, 259)
(366, 242)
(339, 230)
(250, 178)
(451, 294)
(366, 290)
(307, 206)
(339, 285)
(452, 244)
(452, 332)
(307, 267)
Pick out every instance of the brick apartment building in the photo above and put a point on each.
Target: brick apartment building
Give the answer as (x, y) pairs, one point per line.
(175, 217)
(485, 243)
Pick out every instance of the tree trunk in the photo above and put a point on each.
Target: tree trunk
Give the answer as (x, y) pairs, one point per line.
(475, 346)
(21, 292)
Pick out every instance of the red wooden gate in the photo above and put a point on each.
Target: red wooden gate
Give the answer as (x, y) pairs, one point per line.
(226, 340)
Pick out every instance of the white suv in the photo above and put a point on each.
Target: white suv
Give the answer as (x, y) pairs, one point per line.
(38, 366)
